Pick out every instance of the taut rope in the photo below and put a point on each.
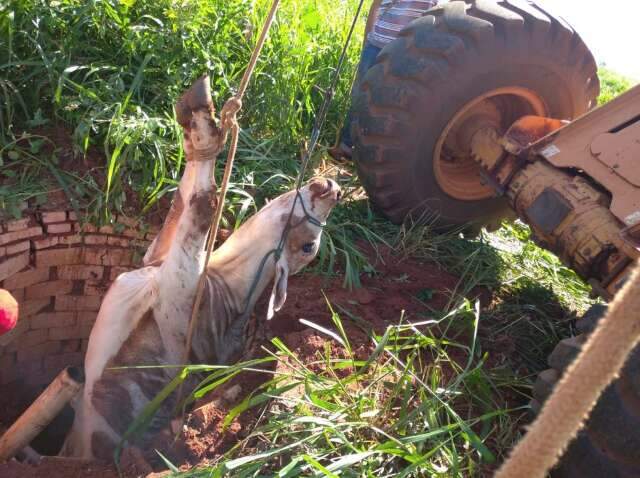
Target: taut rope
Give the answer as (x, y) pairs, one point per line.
(228, 121)
(576, 394)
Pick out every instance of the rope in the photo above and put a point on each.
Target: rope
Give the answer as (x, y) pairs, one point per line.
(228, 120)
(567, 408)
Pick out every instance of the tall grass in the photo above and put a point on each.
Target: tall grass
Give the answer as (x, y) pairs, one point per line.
(612, 84)
(110, 71)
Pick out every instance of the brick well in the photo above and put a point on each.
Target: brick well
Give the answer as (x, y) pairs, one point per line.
(58, 270)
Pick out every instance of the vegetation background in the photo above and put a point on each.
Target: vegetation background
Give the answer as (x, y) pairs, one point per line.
(86, 96)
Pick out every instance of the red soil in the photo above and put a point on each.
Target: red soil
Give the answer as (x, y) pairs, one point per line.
(393, 290)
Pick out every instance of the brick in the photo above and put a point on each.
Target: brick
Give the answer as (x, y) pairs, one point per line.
(73, 216)
(87, 228)
(61, 361)
(18, 247)
(95, 239)
(70, 239)
(49, 289)
(14, 334)
(54, 216)
(18, 295)
(127, 221)
(27, 278)
(13, 265)
(108, 257)
(78, 302)
(118, 241)
(68, 346)
(116, 271)
(59, 228)
(87, 319)
(68, 333)
(86, 327)
(133, 233)
(3, 251)
(33, 338)
(19, 224)
(39, 351)
(20, 235)
(98, 287)
(106, 230)
(33, 306)
(46, 242)
(59, 257)
(141, 244)
(25, 369)
(80, 272)
(52, 320)
(52, 241)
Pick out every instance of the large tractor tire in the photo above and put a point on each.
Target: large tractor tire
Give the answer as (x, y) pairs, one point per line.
(609, 444)
(462, 66)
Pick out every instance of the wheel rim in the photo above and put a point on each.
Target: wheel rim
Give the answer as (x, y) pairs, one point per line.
(455, 170)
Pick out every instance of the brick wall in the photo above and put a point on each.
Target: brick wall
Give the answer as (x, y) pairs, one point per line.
(58, 270)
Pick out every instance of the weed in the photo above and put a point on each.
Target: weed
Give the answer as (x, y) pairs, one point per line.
(111, 71)
(419, 403)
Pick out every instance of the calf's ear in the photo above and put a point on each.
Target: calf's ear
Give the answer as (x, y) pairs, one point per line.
(279, 292)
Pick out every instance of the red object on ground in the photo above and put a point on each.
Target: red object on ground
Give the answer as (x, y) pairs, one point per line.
(8, 312)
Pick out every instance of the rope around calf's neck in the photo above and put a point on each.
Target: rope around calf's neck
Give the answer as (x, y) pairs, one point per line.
(231, 122)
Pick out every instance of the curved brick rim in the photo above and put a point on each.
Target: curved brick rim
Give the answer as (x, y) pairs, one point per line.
(58, 270)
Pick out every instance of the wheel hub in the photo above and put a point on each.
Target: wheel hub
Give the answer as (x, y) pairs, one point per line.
(458, 171)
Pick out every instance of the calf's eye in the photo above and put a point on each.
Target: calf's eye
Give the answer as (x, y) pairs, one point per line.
(307, 248)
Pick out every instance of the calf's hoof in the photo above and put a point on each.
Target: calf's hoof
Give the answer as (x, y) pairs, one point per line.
(196, 98)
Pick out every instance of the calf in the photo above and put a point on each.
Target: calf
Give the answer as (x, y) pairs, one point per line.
(145, 315)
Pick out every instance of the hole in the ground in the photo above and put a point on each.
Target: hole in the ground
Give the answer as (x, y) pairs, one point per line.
(49, 441)
(15, 400)
(58, 270)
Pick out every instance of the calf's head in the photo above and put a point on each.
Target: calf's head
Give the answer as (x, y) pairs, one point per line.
(286, 232)
(313, 204)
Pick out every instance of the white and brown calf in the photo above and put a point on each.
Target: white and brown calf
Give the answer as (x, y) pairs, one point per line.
(145, 315)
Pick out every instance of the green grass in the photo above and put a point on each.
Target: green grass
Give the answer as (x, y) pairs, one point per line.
(421, 402)
(426, 400)
(109, 73)
(612, 84)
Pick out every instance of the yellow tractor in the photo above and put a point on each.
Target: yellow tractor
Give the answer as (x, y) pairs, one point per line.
(485, 108)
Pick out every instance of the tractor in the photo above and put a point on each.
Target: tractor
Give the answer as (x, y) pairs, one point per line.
(483, 110)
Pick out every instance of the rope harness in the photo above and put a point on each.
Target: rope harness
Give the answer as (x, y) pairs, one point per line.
(229, 122)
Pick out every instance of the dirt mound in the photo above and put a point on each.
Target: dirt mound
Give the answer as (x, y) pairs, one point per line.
(398, 285)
